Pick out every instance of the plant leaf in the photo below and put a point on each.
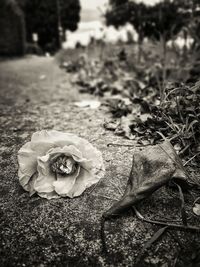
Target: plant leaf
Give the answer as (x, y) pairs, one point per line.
(183, 212)
(155, 237)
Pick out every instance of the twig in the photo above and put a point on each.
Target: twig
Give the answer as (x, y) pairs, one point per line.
(167, 220)
(183, 212)
(191, 159)
(183, 150)
(170, 225)
(113, 144)
(175, 89)
(126, 145)
(196, 200)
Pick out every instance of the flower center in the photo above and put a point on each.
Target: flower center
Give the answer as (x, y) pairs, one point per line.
(64, 165)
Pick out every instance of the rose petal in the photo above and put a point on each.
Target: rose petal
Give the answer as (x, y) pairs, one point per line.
(45, 180)
(73, 152)
(30, 186)
(64, 184)
(89, 174)
(53, 137)
(60, 139)
(66, 150)
(41, 148)
(43, 141)
(27, 160)
(96, 164)
(83, 181)
(51, 195)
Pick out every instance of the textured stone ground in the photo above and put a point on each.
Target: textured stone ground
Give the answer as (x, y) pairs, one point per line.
(35, 94)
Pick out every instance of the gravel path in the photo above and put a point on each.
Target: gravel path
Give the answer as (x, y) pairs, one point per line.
(34, 95)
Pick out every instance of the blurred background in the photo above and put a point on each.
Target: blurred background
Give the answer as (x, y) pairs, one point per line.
(169, 29)
(45, 26)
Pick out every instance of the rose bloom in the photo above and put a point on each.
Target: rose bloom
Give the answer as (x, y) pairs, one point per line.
(56, 164)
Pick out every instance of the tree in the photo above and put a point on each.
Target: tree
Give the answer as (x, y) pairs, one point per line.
(120, 12)
(12, 38)
(47, 17)
(166, 20)
(162, 19)
(159, 22)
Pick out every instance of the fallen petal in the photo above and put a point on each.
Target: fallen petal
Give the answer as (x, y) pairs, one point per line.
(64, 184)
(27, 160)
(93, 104)
(51, 195)
(196, 209)
(45, 179)
(83, 181)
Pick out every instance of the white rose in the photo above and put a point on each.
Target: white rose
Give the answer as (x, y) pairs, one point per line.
(56, 164)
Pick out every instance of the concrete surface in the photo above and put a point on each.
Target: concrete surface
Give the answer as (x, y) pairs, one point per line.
(35, 94)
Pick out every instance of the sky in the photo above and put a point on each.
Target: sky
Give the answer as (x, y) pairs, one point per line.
(90, 9)
(94, 4)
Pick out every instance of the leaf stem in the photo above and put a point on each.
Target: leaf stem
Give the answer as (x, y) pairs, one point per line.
(170, 225)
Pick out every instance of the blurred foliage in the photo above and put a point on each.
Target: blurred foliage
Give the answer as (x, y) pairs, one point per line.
(162, 20)
(14, 4)
(43, 16)
(133, 94)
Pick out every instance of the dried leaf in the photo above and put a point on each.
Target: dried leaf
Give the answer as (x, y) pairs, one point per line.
(152, 168)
